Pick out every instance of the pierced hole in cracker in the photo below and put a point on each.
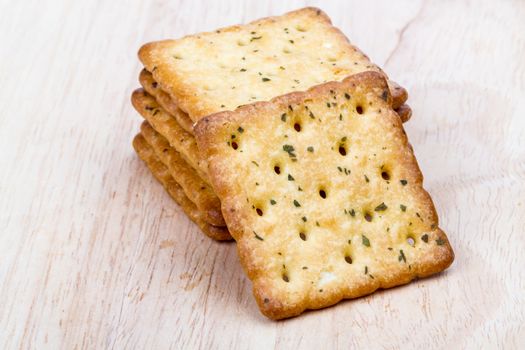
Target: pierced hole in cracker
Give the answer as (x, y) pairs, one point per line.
(348, 259)
(297, 126)
(385, 174)
(359, 109)
(411, 240)
(234, 145)
(342, 150)
(368, 216)
(302, 235)
(277, 169)
(285, 277)
(259, 211)
(322, 193)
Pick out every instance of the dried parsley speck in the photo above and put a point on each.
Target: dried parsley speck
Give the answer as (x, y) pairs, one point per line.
(403, 207)
(272, 202)
(296, 203)
(366, 270)
(328, 104)
(257, 236)
(401, 256)
(283, 117)
(254, 162)
(304, 218)
(310, 149)
(440, 241)
(240, 129)
(290, 178)
(347, 96)
(381, 207)
(243, 69)
(352, 212)
(403, 182)
(265, 79)
(365, 240)
(366, 179)
(290, 150)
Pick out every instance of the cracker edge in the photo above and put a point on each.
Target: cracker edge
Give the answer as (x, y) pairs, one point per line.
(165, 101)
(442, 257)
(196, 189)
(161, 173)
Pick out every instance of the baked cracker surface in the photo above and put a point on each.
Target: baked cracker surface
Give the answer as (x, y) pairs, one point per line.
(161, 173)
(221, 70)
(323, 194)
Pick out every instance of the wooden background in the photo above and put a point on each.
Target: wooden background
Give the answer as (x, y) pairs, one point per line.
(94, 254)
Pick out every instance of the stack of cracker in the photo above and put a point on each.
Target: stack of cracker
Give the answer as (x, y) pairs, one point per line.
(283, 135)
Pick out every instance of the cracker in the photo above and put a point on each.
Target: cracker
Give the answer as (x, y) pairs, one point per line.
(198, 191)
(404, 112)
(221, 70)
(161, 173)
(323, 194)
(168, 127)
(152, 88)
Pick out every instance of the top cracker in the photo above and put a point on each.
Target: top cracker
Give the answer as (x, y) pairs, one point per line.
(323, 194)
(221, 70)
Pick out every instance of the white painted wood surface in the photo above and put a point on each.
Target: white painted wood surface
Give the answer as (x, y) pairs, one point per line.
(94, 254)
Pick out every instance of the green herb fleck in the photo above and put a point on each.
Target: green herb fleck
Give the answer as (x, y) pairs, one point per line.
(304, 218)
(328, 104)
(272, 202)
(366, 179)
(254, 162)
(290, 150)
(311, 115)
(243, 69)
(401, 256)
(440, 241)
(384, 95)
(403, 182)
(257, 236)
(381, 207)
(265, 79)
(240, 129)
(310, 149)
(340, 169)
(347, 96)
(296, 203)
(255, 38)
(281, 68)
(403, 207)
(283, 117)
(290, 178)
(424, 238)
(352, 212)
(317, 224)
(291, 41)
(366, 241)
(366, 270)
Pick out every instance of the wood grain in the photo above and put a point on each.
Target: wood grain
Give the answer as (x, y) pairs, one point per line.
(94, 254)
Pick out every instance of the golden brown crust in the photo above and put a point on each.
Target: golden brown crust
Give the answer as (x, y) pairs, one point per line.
(164, 100)
(345, 214)
(214, 71)
(198, 191)
(404, 112)
(182, 141)
(161, 173)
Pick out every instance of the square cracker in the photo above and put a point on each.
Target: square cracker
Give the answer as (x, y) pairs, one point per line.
(323, 194)
(198, 191)
(161, 173)
(221, 70)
